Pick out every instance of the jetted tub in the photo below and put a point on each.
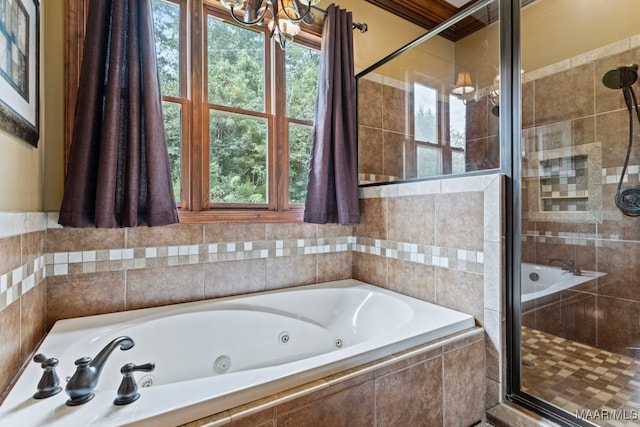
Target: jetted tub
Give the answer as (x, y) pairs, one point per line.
(217, 354)
(542, 280)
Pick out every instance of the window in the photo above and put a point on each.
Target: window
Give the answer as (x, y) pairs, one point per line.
(439, 148)
(238, 117)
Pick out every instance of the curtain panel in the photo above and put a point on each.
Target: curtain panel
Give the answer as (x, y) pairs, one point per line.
(118, 170)
(332, 189)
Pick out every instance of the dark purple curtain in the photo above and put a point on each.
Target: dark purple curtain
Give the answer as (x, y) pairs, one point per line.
(332, 190)
(118, 172)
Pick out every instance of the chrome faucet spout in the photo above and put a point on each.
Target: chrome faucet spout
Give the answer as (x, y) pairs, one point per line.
(81, 385)
(567, 265)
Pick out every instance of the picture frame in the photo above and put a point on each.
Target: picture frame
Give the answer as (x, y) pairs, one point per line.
(20, 69)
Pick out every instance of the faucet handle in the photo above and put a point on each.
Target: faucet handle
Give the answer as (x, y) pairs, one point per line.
(128, 390)
(49, 384)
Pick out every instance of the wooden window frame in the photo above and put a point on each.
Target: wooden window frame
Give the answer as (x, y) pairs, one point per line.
(194, 206)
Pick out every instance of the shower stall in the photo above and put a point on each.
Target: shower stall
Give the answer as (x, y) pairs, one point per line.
(580, 159)
(546, 96)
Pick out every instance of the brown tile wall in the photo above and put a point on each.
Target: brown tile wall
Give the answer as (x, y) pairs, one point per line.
(441, 386)
(449, 225)
(606, 314)
(22, 321)
(115, 285)
(98, 277)
(103, 285)
(384, 139)
(381, 120)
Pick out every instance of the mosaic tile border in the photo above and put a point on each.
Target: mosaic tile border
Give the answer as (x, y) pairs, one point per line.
(17, 282)
(612, 175)
(575, 239)
(450, 258)
(66, 263)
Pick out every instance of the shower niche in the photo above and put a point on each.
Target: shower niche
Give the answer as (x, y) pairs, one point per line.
(564, 181)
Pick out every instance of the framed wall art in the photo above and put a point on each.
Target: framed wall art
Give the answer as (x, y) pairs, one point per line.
(19, 68)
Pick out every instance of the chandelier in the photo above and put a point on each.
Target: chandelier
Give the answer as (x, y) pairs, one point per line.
(286, 15)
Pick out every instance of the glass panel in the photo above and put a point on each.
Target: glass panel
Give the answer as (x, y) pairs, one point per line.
(580, 305)
(166, 18)
(439, 91)
(457, 123)
(173, 130)
(457, 162)
(236, 66)
(238, 159)
(302, 67)
(425, 113)
(299, 156)
(429, 161)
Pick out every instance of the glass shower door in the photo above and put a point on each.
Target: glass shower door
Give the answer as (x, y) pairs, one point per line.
(580, 236)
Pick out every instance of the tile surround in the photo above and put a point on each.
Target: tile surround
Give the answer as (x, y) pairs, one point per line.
(603, 239)
(368, 395)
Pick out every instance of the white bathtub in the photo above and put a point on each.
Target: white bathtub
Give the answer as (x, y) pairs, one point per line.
(329, 327)
(550, 280)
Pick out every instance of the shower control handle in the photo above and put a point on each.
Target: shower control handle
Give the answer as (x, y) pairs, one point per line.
(49, 384)
(128, 390)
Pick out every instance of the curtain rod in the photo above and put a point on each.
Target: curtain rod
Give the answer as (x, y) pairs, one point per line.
(356, 25)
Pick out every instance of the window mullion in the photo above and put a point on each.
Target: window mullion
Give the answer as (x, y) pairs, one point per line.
(197, 189)
(281, 152)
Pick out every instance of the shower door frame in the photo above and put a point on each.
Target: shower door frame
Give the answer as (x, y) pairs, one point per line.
(510, 131)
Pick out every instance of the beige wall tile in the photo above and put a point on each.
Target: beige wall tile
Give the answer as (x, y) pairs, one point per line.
(393, 149)
(612, 130)
(464, 385)
(215, 233)
(170, 235)
(411, 397)
(350, 407)
(370, 106)
(460, 220)
(556, 97)
(393, 108)
(373, 219)
(84, 239)
(369, 149)
(291, 271)
(618, 329)
(32, 319)
(9, 345)
(412, 219)
(10, 254)
(291, 231)
(334, 230)
(234, 277)
(162, 286)
(413, 279)
(461, 291)
(32, 246)
(84, 295)
(370, 268)
(334, 266)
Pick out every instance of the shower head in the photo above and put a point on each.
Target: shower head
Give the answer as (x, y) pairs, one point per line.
(621, 77)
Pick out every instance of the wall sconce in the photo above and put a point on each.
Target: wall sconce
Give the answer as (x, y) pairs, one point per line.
(463, 86)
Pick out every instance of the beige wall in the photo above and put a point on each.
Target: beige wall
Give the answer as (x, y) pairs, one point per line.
(53, 28)
(22, 167)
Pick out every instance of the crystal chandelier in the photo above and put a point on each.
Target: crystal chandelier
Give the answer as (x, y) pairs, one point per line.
(286, 15)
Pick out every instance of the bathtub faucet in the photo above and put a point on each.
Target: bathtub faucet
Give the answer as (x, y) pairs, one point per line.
(84, 380)
(567, 265)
